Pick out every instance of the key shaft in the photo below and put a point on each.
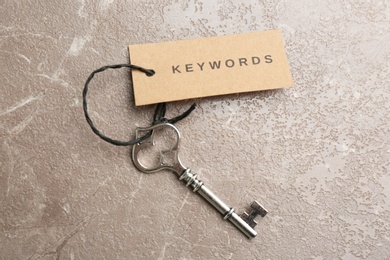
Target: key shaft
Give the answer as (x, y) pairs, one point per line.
(227, 212)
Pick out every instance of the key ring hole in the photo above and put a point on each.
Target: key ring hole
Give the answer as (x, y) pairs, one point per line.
(149, 158)
(163, 146)
(159, 151)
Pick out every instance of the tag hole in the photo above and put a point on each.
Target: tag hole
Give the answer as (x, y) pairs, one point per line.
(152, 72)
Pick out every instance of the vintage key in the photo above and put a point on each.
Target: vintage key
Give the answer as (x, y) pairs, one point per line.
(245, 223)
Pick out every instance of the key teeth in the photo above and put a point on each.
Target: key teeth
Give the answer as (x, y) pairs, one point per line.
(257, 209)
(260, 210)
(248, 219)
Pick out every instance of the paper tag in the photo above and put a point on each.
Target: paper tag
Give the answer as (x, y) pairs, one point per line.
(210, 66)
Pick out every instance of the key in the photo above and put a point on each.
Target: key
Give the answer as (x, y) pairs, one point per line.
(245, 223)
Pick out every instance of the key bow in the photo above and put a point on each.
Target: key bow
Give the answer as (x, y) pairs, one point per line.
(174, 165)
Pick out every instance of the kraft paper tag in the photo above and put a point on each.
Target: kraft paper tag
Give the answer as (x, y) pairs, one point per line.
(210, 66)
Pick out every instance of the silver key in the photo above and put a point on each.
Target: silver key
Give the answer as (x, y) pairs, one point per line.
(246, 222)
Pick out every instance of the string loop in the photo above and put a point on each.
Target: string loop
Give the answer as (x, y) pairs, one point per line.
(159, 113)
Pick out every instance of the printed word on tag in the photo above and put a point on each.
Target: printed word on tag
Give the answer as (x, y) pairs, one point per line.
(229, 63)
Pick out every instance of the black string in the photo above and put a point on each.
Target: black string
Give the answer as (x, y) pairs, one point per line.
(159, 113)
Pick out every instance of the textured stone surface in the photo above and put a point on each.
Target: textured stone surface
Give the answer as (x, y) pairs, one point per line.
(316, 155)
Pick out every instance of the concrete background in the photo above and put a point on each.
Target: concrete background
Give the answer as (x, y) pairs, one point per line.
(315, 155)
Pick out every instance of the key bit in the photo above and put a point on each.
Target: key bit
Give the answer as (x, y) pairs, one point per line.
(257, 209)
